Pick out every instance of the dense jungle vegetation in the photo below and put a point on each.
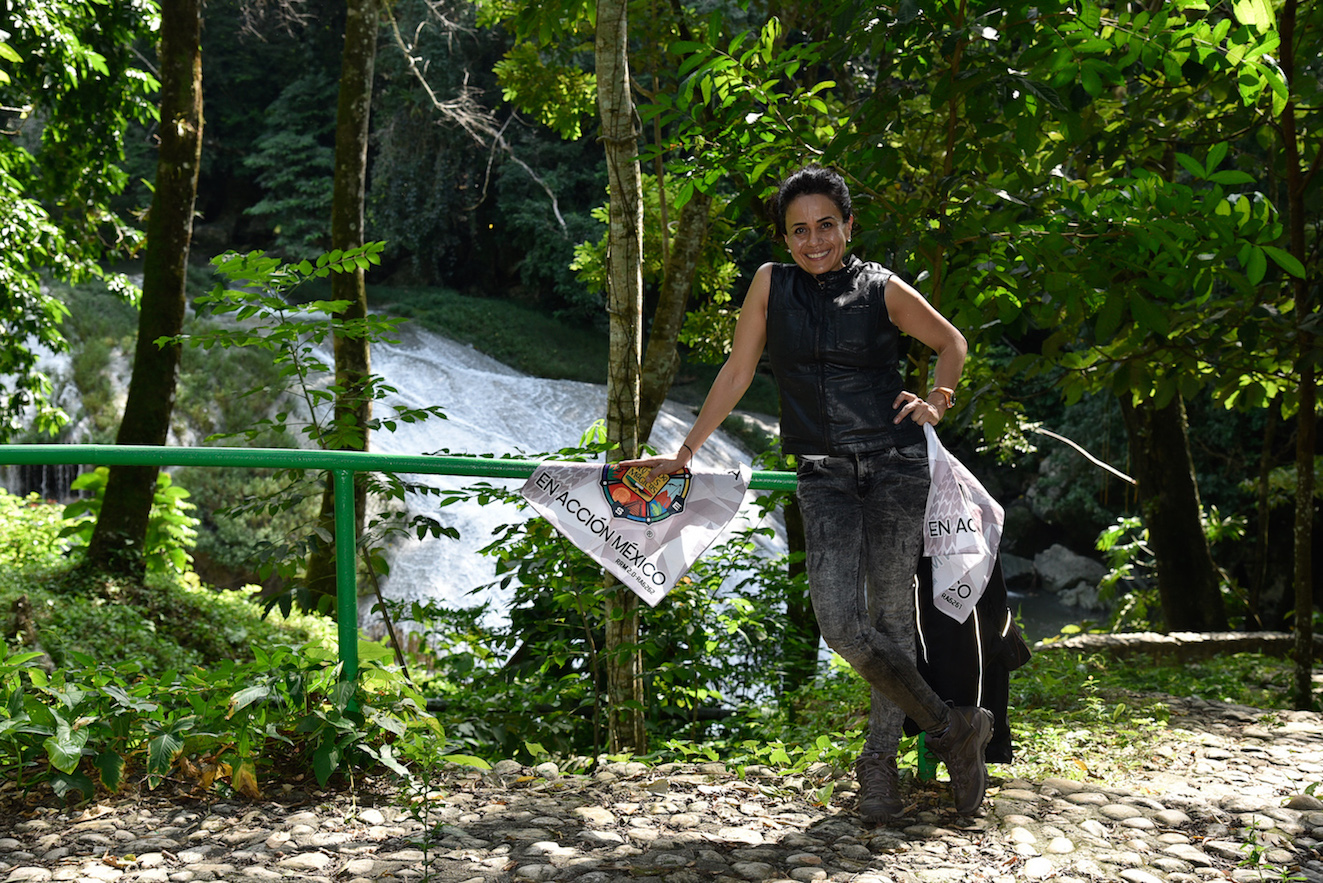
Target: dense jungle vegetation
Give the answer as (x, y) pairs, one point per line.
(1118, 206)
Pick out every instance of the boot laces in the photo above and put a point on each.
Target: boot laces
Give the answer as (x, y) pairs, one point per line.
(877, 775)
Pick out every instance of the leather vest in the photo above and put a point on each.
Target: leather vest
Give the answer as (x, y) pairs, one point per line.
(836, 357)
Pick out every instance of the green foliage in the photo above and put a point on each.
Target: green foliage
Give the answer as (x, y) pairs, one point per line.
(421, 748)
(171, 531)
(711, 320)
(560, 96)
(1131, 562)
(89, 726)
(174, 682)
(1282, 484)
(30, 534)
(995, 151)
(544, 74)
(1079, 716)
(169, 623)
(799, 763)
(1128, 556)
(541, 248)
(72, 81)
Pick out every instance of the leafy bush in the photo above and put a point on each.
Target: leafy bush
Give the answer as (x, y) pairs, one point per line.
(1132, 564)
(30, 533)
(96, 725)
(169, 622)
(170, 529)
(169, 681)
(718, 643)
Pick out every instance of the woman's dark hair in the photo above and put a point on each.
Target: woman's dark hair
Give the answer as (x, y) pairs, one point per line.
(810, 180)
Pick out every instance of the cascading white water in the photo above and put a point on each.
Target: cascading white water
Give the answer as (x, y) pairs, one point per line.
(492, 409)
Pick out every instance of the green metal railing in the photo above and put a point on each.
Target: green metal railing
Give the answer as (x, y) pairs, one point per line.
(341, 464)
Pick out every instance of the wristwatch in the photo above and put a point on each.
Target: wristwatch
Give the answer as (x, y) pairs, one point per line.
(948, 395)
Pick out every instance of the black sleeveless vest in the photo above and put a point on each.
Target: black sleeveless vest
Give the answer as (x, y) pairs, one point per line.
(836, 357)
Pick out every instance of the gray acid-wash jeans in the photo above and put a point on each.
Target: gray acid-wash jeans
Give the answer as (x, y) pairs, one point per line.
(863, 521)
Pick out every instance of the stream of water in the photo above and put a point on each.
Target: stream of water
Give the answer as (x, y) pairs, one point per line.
(493, 409)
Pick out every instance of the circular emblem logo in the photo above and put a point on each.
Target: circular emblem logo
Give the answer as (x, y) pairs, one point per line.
(630, 495)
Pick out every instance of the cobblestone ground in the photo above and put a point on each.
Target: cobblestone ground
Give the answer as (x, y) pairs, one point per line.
(1223, 797)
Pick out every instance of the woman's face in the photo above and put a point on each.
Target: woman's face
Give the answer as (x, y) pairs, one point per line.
(816, 234)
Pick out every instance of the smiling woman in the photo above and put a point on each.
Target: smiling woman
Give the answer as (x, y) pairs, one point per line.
(832, 325)
(816, 233)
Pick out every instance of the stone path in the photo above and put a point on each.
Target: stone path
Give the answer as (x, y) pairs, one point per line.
(1224, 799)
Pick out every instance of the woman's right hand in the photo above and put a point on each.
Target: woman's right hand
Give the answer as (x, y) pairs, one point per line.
(661, 465)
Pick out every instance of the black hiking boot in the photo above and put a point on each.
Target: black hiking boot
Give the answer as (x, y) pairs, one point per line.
(961, 748)
(879, 789)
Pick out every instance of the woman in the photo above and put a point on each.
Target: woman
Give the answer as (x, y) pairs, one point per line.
(832, 326)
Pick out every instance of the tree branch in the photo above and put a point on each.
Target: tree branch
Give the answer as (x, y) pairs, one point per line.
(466, 112)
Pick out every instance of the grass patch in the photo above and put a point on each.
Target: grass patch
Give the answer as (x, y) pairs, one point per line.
(167, 623)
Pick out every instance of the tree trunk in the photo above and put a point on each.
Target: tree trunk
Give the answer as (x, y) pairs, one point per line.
(353, 407)
(1306, 419)
(121, 528)
(1259, 579)
(615, 105)
(663, 358)
(1169, 504)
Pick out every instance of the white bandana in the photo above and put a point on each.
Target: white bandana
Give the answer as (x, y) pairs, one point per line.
(648, 534)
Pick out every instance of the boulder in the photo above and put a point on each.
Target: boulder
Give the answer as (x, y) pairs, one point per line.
(1019, 573)
(1059, 568)
(1084, 596)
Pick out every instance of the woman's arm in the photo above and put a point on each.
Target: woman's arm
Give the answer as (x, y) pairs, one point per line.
(733, 379)
(912, 314)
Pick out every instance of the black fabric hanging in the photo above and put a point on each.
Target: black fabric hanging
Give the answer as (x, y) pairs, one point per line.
(970, 662)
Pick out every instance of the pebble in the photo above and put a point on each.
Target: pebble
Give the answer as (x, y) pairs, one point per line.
(1224, 798)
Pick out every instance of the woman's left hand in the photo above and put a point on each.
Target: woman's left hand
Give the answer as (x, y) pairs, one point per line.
(921, 411)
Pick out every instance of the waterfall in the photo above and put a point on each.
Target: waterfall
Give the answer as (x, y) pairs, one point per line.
(49, 482)
(46, 481)
(493, 409)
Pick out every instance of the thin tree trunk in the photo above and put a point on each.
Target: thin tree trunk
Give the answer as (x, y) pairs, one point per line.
(1169, 504)
(624, 663)
(1259, 579)
(121, 529)
(663, 358)
(352, 356)
(1306, 420)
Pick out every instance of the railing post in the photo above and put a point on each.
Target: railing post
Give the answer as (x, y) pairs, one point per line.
(346, 572)
(926, 769)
